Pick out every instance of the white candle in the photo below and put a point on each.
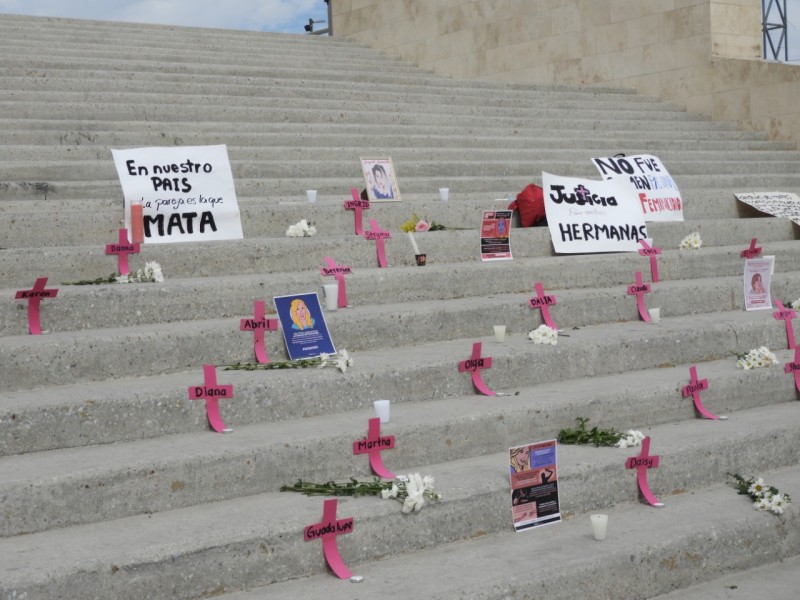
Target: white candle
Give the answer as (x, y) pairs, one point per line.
(413, 242)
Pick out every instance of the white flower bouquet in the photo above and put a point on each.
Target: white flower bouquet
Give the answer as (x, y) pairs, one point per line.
(766, 497)
(544, 335)
(756, 358)
(691, 241)
(301, 229)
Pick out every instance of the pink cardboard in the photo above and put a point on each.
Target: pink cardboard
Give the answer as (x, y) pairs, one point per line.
(639, 290)
(794, 368)
(358, 206)
(786, 315)
(641, 463)
(211, 392)
(258, 325)
(693, 389)
(338, 271)
(34, 297)
(378, 234)
(652, 252)
(327, 530)
(543, 302)
(122, 248)
(474, 364)
(373, 445)
(752, 251)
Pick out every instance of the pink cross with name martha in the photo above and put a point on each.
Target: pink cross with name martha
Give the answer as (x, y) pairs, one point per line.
(357, 205)
(641, 463)
(752, 251)
(786, 315)
(373, 446)
(338, 271)
(122, 248)
(794, 368)
(639, 290)
(693, 389)
(474, 365)
(378, 234)
(34, 297)
(543, 302)
(211, 393)
(258, 325)
(327, 530)
(652, 252)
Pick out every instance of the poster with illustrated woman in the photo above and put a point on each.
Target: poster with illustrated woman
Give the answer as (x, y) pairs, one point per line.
(303, 324)
(757, 277)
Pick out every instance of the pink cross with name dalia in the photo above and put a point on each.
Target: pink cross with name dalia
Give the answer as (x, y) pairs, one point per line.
(358, 206)
(474, 365)
(752, 251)
(786, 315)
(34, 297)
(794, 368)
(693, 389)
(639, 290)
(652, 252)
(641, 463)
(543, 302)
(338, 271)
(327, 530)
(378, 234)
(373, 446)
(122, 248)
(258, 325)
(211, 392)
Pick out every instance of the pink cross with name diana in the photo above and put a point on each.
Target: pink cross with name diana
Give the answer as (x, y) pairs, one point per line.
(357, 205)
(258, 325)
(211, 392)
(641, 463)
(693, 389)
(122, 249)
(327, 530)
(373, 446)
(639, 290)
(652, 252)
(794, 368)
(34, 297)
(543, 302)
(752, 251)
(378, 234)
(786, 315)
(338, 271)
(474, 365)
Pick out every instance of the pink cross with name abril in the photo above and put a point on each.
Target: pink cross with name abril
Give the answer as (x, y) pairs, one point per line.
(338, 271)
(373, 446)
(34, 297)
(211, 392)
(639, 290)
(786, 315)
(378, 234)
(693, 389)
(752, 251)
(122, 248)
(641, 463)
(327, 530)
(357, 205)
(543, 302)
(652, 252)
(258, 325)
(474, 365)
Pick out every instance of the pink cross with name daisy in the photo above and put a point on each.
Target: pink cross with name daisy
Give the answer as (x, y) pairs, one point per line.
(642, 463)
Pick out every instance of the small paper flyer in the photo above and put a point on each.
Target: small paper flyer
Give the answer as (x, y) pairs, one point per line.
(757, 276)
(496, 235)
(534, 485)
(303, 325)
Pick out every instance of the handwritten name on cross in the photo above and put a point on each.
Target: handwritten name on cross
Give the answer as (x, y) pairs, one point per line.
(373, 446)
(652, 252)
(122, 248)
(474, 365)
(338, 271)
(34, 297)
(211, 392)
(693, 389)
(327, 530)
(752, 251)
(641, 463)
(258, 325)
(378, 234)
(639, 290)
(786, 315)
(357, 205)
(543, 302)
(794, 368)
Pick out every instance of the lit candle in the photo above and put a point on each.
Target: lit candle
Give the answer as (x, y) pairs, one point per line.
(413, 242)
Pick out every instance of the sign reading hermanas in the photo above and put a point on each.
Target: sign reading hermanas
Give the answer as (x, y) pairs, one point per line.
(187, 193)
(592, 216)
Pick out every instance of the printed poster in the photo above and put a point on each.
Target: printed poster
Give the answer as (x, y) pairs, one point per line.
(303, 325)
(496, 235)
(534, 485)
(777, 204)
(187, 193)
(757, 277)
(380, 179)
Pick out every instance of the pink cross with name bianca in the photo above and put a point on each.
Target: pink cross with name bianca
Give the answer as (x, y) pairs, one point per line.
(34, 297)
(794, 368)
(786, 315)
(641, 463)
(543, 302)
(693, 389)
(652, 252)
(211, 393)
(373, 446)
(258, 325)
(752, 251)
(639, 290)
(378, 234)
(327, 530)
(338, 271)
(122, 248)
(474, 365)
(357, 205)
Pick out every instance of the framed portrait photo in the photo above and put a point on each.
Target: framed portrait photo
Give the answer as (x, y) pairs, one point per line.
(380, 179)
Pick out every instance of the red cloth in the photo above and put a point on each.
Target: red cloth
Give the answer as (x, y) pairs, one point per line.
(530, 204)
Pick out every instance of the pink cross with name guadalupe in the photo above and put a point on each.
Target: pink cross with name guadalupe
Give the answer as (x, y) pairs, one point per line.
(794, 368)
(34, 297)
(652, 252)
(122, 248)
(258, 325)
(373, 446)
(639, 290)
(474, 365)
(543, 302)
(357, 205)
(338, 271)
(327, 530)
(752, 251)
(786, 315)
(641, 463)
(693, 389)
(211, 392)
(378, 234)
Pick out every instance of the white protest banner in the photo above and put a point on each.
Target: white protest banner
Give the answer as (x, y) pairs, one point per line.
(187, 192)
(592, 216)
(658, 194)
(777, 204)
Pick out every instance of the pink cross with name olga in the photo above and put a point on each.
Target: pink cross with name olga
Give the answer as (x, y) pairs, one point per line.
(641, 463)
(357, 205)
(786, 315)
(543, 302)
(327, 530)
(378, 234)
(693, 389)
(338, 271)
(258, 325)
(34, 297)
(373, 446)
(639, 290)
(794, 368)
(211, 392)
(474, 365)
(122, 248)
(652, 252)
(752, 251)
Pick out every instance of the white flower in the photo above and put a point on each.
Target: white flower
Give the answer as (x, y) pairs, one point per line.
(691, 241)
(758, 488)
(324, 357)
(796, 304)
(756, 358)
(416, 494)
(778, 503)
(762, 504)
(544, 335)
(427, 483)
(124, 279)
(631, 439)
(344, 360)
(301, 229)
(153, 272)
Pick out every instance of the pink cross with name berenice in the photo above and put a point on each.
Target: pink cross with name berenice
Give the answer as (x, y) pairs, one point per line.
(639, 290)
(786, 315)
(474, 365)
(211, 392)
(693, 389)
(378, 234)
(641, 463)
(122, 248)
(338, 271)
(373, 446)
(34, 297)
(752, 251)
(357, 205)
(258, 325)
(327, 530)
(543, 302)
(794, 368)
(652, 252)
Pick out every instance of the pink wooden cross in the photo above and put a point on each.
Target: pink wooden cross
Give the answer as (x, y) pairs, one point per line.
(378, 234)
(652, 252)
(373, 446)
(786, 315)
(752, 251)
(327, 530)
(34, 297)
(641, 463)
(211, 392)
(794, 368)
(258, 325)
(357, 205)
(122, 248)
(639, 290)
(474, 365)
(543, 302)
(338, 271)
(693, 389)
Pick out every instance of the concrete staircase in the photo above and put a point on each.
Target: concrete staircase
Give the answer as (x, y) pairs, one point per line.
(112, 484)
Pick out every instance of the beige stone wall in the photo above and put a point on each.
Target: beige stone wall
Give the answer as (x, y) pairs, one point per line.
(705, 54)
